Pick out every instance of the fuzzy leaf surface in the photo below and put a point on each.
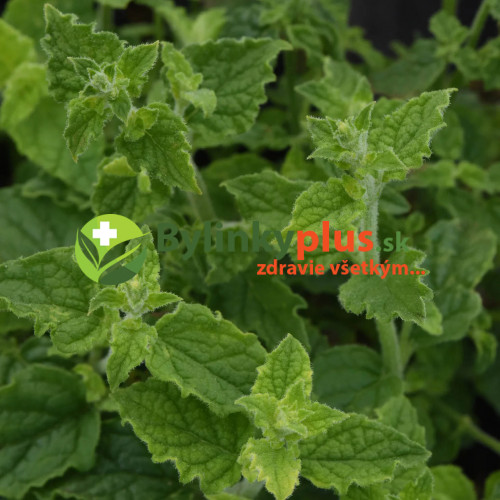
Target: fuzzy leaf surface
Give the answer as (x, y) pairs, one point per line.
(395, 295)
(266, 196)
(160, 147)
(184, 430)
(357, 450)
(46, 427)
(236, 71)
(279, 468)
(206, 356)
(131, 341)
(64, 39)
(50, 288)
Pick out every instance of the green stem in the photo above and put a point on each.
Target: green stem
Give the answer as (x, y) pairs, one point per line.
(478, 23)
(201, 204)
(390, 347)
(105, 18)
(450, 6)
(406, 345)
(388, 336)
(469, 427)
(158, 26)
(292, 96)
(370, 219)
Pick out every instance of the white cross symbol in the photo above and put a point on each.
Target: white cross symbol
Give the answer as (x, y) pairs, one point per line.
(104, 233)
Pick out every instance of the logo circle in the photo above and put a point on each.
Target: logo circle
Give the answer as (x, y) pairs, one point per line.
(103, 246)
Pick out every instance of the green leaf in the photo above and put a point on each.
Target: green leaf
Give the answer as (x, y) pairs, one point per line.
(489, 54)
(450, 483)
(108, 297)
(280, 399)
(28, 226)
(65, 39)
(280, 405)
(458, 306)
(131, 341)
(135, 63)
(122, 192)
(449, 142)
(399, 413)
(492, 486)
(454, 244)
(95, 389)
(11, 323)
(449, 32)
(278, 467)
(86, 119)
(116, 4)
(351, 378)
(123, 467)
(397, 295)
(375, 492)
(266, 196)
(450, 244)
(306, 37)
(188, 30)
(40, 138)
(46, 427)
(324, 202)
(225, 169)
(43, 185)
(22, 93)
(487, 384)
(342, 92)
(434, 368)
(290, 418)
(420, 489)
(34, 24)
(473, 176)
(20, 50)
(357, 450)
(236, 71)
(143, 293)
(184, 430)
(486, 349)
(29, 290)
(206, 356)
(411, 74)
(162, 148)
(286, 365)
(178, 71)
(442, 174)
(204, 99)
(266, 307)
(226, 264)
(408, 130)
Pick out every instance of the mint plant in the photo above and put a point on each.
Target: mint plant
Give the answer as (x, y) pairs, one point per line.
(248, 149)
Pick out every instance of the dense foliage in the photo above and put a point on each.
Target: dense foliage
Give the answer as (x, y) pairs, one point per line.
(245, 386)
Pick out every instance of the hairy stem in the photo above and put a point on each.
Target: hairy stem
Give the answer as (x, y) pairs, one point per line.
(467, 426)
(388, 337)
(390, 347)
(370, 219)
(478, 23)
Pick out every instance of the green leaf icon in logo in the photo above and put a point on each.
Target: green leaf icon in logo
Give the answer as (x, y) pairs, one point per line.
(101, 249)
